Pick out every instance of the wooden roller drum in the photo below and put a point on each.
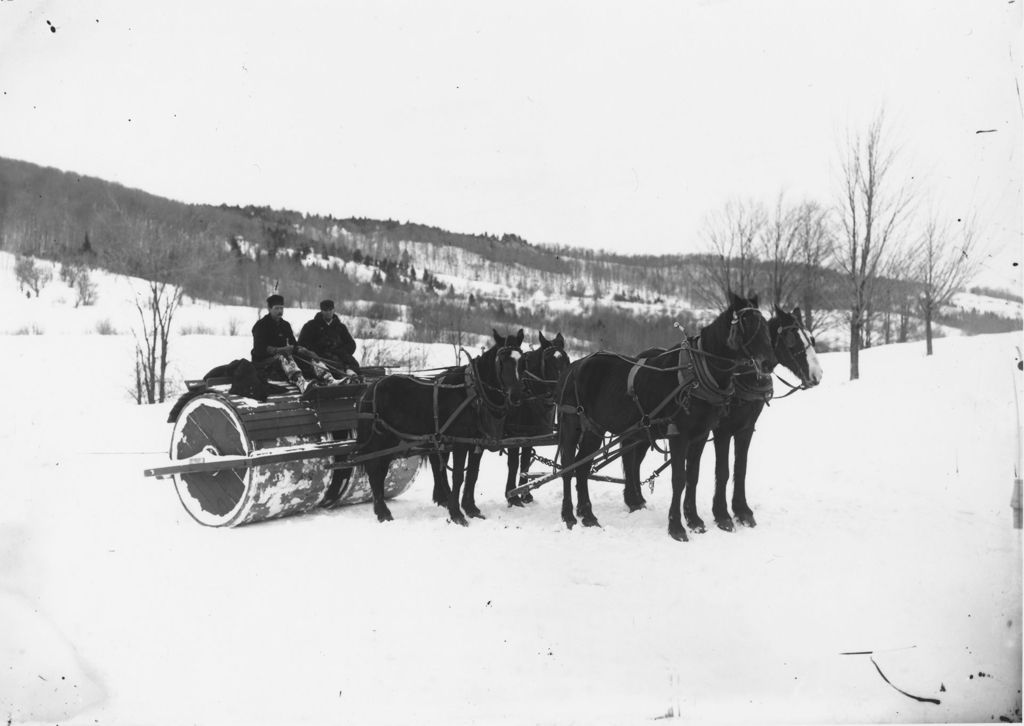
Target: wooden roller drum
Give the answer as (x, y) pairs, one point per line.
(218, 425)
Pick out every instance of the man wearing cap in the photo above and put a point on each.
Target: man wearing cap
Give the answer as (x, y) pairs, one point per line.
(274, 344)
(328, 337)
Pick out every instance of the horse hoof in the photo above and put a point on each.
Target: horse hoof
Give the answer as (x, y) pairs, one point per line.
(458, 519)
(637, 507)
(570, 521)
(384, 517)
(747, 520)
(678, 533)
(725, 523)
(696, 524)
(591, 521)
(476, 514)
(516, 502)
(527, 497)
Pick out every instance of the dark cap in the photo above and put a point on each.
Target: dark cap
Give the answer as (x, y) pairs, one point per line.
(327, 305)
(274, 300)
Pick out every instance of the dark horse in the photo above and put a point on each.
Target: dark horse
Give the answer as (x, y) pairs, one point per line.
(466, 456)
(542, 371)
(794, 349)
(679, 393)
(457, 410)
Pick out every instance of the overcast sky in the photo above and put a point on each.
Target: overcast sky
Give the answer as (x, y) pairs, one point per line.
(607, 125)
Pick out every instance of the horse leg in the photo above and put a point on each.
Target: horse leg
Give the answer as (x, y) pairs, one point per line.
(739, 492)
(641, 454)
(678, 446)
(439, 466)
(584, 508)
(510, 481)
(721, 512)
(568, 440)
(693, 454)
(458, 472)
(629, 492)
(469, 494)
(526, 458)
(376, 470)
(632, 493)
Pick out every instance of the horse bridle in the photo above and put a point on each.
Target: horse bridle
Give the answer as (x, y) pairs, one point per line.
(804, 342)
(542, 379)
(500, 353)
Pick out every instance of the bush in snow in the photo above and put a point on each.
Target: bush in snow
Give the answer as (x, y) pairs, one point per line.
(31, 275)
(197, 329)
(85, 288)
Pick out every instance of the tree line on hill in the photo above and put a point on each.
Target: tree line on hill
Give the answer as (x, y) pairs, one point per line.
(862, 262)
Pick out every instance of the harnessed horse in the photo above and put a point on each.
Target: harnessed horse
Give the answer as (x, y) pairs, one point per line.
(680, 393)
(460, 410)
(794, 349)
(541, 370)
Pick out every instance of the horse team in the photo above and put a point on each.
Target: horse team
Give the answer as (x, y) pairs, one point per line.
(717, 382)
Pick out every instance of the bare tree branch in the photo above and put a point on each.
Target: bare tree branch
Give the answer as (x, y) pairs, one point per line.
(947, 261)
(731, 236)
(873, 210)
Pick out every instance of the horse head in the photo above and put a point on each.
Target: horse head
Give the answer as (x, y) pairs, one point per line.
(747, 331)
(794, 347)
(502, 370)
(545, 367)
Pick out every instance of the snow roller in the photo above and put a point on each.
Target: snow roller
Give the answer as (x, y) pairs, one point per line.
(237, 461)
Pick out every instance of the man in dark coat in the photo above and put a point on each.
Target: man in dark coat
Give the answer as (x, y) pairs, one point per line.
(274, 347)
(328, 337)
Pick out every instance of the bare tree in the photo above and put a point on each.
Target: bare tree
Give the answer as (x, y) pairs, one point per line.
(897, 293)
(778, 248)
(947, 261)
(872, 210)
(731, 236)
(814, 242)
(165, 258)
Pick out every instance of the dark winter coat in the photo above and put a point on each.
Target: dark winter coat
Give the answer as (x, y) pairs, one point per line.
(329, 339)
(268, 332)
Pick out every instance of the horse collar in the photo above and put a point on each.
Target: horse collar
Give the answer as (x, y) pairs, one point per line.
(708, 388)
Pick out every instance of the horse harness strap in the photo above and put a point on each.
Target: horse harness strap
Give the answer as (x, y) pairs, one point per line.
(694, 380)
(646, 422)
(439, 429)
(760, 390)
(691, 379)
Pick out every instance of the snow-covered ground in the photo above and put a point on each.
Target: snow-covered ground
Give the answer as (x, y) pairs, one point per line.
(884, 526)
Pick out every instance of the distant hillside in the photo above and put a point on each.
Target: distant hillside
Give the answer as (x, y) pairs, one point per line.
(442, 282)
(438, 284)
